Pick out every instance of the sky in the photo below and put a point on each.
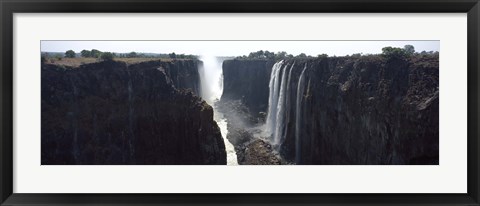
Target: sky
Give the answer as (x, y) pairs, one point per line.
(237, 48)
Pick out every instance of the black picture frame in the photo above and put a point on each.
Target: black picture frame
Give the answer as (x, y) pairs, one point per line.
(9, 7)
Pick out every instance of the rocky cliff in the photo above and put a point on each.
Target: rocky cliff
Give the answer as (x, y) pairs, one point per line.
(247, 80)
(115, 113)
(354, 110)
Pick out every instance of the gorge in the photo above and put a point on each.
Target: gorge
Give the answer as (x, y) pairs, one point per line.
(211, 77)
(349, 110)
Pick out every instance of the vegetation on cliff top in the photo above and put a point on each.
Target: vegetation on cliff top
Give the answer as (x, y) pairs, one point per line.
(407, 51)
(274, 56)
(70, 58)
(76, 62)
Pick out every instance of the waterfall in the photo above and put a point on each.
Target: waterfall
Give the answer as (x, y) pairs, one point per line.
(298, 114)
(211, 81)
(281, 106)
(272, 97)
(278, 101)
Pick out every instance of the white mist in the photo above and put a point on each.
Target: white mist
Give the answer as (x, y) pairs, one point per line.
(211, 75)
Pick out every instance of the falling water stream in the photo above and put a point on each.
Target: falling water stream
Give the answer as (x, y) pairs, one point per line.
(211, 76)
(279, 105)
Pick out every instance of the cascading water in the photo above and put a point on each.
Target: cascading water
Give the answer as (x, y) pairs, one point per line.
(279, 105)
(278, 101)
(211, 78)
(298, 114)
(279, 134)
(273, 98)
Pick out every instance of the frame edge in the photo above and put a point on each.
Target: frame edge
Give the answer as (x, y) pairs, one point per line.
(473, 38)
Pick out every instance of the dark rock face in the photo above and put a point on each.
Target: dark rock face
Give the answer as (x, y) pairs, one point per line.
(247, 80)
(114, 113)
(362, 110)
(183, 74)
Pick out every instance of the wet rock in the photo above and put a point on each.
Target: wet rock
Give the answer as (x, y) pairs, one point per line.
(244, 134)
(259, 152)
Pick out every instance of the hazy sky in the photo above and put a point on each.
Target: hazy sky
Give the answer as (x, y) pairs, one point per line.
(237, 48)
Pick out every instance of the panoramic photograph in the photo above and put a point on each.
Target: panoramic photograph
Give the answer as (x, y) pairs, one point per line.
(239, 102)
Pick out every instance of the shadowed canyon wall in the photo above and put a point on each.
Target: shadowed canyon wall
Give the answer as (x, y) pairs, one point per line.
(247, 80)
(115, 113)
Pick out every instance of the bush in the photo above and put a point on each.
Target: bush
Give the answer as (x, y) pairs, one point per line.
(322, 56)
(398, 53)
(95, 53)
(70, 54)
(302, 55)
(106, 56)
(394, 52)
(281, 55)
(132, 55)
(86, 53)
(409, 49)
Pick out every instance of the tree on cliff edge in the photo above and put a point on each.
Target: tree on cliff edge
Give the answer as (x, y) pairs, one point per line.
(95, 53)
(399, 53)
(70, 54)
(394, 53)
(107, 56)
(86, 53)
(409, 49)
(132, 55)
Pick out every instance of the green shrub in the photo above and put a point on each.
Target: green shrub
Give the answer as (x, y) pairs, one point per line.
(394, 52)
(70, 54)
(302, 55)
(398, 53)
(95, 53)
(132, 55)
(86, 53)
(322, 56)
(409, 49)
(106, 56)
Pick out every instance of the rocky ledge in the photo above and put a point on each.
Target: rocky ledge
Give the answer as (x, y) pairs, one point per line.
(245, 134)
